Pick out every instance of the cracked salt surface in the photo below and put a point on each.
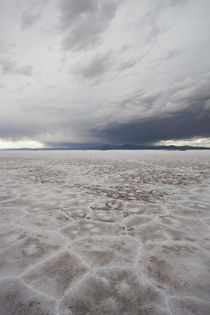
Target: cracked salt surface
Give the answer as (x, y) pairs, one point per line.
(104, 232)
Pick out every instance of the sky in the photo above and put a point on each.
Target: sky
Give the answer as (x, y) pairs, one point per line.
(104, 71)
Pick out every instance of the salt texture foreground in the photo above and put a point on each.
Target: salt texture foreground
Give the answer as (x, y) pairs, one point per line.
(101, 232)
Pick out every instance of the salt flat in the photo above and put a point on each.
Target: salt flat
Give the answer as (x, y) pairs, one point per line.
(104, 232)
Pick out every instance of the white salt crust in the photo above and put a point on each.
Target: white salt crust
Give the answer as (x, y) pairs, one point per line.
(104, 232)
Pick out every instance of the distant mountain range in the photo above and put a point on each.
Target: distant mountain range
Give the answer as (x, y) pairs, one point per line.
(105, 147)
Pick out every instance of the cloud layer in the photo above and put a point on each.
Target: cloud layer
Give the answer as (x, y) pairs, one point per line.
(84, 21)
(108, 71)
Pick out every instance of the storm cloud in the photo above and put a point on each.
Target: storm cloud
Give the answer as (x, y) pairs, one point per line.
(180, 112)
(84, 21)
(104, 71)
(186, 124)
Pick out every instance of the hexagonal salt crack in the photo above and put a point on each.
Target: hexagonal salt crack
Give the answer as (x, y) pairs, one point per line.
(114, 291)
(106, 251)
(16, 298)
(31, 249)
(57, 274)
(179, 268)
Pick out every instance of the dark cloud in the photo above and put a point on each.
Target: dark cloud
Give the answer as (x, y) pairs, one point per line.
(97, 67)
(101, 64)
(139, 100)
(186, 124)
(12, 67)
(190, 93)
(19, 129)
(150, 59)
(83, 21)
(181, 112)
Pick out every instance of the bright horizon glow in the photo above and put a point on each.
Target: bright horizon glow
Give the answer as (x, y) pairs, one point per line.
(33, 144)
(194, 142)
(21, 144)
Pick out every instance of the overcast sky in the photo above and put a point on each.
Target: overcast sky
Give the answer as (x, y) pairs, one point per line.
(108, 71)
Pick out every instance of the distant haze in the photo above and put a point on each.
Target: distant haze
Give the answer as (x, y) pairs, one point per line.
(104, 71)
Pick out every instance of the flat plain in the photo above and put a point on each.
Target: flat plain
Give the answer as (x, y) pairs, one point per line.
(104, 232)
